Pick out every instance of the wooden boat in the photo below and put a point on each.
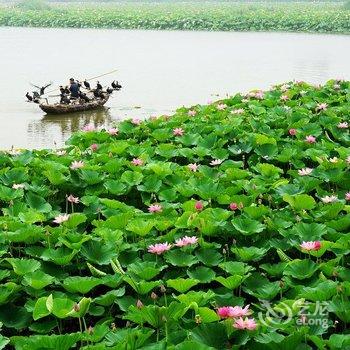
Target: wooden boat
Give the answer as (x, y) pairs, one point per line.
(59, 108)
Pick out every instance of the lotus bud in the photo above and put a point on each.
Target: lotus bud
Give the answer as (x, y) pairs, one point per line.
(259, 201)
(224, 251)
(94, 147)
(164, 319)
(198, 319)
(76, 307)
(127, 324)
(90, 330)
(233, 206)
(139, 304)
(110, 155)
(113, 327)
(240, 205)
(198, 206)
(154, 296)
(281, 284)
(234, 241)
(335, 273)
(162, 289)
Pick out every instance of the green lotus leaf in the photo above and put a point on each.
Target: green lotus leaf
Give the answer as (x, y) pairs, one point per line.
(341, 307)
(235, 267)
(190, 345)
(131, 178)
(75, 220)
(182, 285)
(29, 235)
(37, 280)
(300, 201)
(300, 269)
(231, 282)
(78, 284)
(110, 297)
(323, 291)
(247, 226)
(140, 226)
(59, 256)
(98, 253)
(151, 184)
(145, 270)
(7, 290)
(180, 258)
(3, 342)
(48, 342)
(275, 270)
(24, 266)
(339, 341)
(12, 316)
(309, 232)
(202, 274)
(209, 257)
(261, 287)
(142, 287)
(211, 334)
(115, 186)
(38, 203)
(81, 308)
(200, 298)
(55, 176)
(268, 338)
(40, 309)
(249, 253)
(207, 315)
(8, 194)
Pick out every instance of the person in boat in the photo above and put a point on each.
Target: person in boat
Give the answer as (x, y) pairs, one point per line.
(74, 88)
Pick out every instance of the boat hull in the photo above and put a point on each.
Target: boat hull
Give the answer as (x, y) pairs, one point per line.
(59, 108)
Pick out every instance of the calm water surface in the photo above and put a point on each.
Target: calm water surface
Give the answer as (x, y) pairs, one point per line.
(159, 71)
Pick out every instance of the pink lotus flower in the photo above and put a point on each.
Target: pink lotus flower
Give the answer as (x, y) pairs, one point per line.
(284, 87)
(61, 218)
(233, 311)
(347, 196)
(192, 113)
(61, 152)
(199, 206)
(89, 127)
(73, 199)
(17, 186)
(259, 95)
(193, 167)
(221, 106)
(238, 111)
(310, 139)
(284, 98)
(321, 107)
(305, 171)
(233, 206)
(247, 323)
(216, 162)
(136, 121)
(329, 199)
(113, 131)
(137, 162)
(311, 245)
(77, 164)
(343, 125)
(178, 132)
(292, 132)
(159, 248)
(94, 147)
(155, 208)
(184, 241)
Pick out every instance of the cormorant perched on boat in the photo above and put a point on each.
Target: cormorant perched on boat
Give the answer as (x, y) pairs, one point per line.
(84, 97)
(109, 90)
(99, 86)
(116, 85)
(66, 90)
(30, 98)
(42, 88)
(36, 95)
(64, 99)
(62, 89)
(87, 84)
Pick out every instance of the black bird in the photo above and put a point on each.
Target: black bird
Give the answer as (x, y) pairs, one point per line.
(87, 84)
(109, 90)
(30, 98)
(42, 88)
(118, 85)
(114, 85)
(66, 90)
(64, 99)
(84, 97)
(99, 86)
(36, 95)
(79, 84)
(62, 90)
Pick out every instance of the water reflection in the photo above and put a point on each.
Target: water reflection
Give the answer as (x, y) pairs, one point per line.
(59, 127)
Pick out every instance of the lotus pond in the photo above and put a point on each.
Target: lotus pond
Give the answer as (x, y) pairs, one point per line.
(224, 226)
(215, 16)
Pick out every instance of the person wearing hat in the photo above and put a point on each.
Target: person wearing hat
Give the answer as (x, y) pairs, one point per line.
(74, 88)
